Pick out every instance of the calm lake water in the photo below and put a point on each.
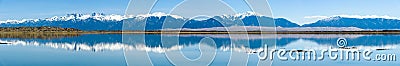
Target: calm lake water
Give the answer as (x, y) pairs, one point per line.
(186, 49)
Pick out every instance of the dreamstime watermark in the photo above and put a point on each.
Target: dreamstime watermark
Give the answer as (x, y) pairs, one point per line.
(342, 53)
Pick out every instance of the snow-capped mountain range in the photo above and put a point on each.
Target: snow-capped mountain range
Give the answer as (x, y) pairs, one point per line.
(155, 21)
(114, 17)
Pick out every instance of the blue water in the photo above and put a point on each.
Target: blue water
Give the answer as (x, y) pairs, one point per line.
(185, 49)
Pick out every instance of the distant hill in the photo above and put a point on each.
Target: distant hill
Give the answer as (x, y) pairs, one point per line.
(364, 23)
(282, 22)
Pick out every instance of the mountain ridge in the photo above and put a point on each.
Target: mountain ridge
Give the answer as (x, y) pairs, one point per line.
(155, 21)
(364, 23)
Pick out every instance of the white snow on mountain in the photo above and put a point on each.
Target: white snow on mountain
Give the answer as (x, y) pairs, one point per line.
(19, 21)
(158, 14)
(239, 15)
(115, 17)
(96, 16)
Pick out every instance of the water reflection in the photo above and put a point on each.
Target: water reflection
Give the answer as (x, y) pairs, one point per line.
(104, 46)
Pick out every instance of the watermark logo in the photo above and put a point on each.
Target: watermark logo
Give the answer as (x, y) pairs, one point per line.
(341, 42)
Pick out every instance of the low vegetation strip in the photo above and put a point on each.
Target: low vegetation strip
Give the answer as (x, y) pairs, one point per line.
(37, 29)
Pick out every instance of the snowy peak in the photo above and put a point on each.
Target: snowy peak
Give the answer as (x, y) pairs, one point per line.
(239, 15)
(247, 14)
(75, 17)
(158, 15)
(114, 17)
(366, 17)
(19, 21)
(332, 18)
(96, 16)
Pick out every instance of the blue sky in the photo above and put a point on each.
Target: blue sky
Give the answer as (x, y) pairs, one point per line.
(31, 9)
(294, 10)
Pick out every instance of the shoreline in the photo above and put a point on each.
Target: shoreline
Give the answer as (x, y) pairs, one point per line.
(59, 30)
